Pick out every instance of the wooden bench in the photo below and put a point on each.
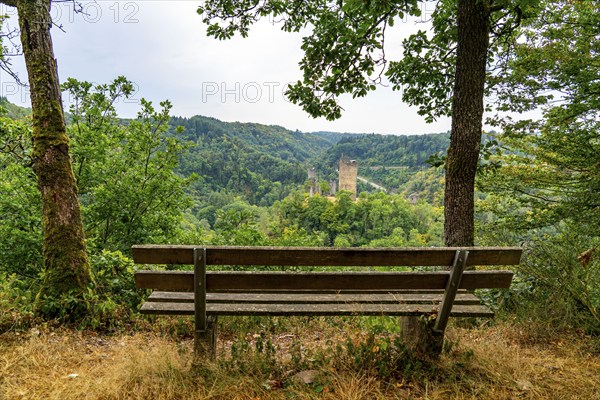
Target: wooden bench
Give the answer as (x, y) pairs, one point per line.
(207, 294)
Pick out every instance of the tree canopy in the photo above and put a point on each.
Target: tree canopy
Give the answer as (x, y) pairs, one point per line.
(551, 163)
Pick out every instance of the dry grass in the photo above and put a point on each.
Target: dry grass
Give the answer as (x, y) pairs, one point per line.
(493, 363)
(504, 367)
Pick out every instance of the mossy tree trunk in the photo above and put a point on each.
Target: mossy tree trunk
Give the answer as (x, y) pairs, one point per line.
(66, 264)
(463, 154)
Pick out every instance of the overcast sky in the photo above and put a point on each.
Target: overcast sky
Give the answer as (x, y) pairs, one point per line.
(161, 45)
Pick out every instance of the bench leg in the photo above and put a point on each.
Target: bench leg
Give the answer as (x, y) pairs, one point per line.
(205, 343)
(420, 338)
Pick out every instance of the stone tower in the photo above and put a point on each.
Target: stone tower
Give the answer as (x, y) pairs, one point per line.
(314, 184)
(332, 187)
(348, 173)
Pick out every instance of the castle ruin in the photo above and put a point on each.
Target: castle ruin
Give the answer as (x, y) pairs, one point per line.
(332, 187)
(314, 187)
(348, 172)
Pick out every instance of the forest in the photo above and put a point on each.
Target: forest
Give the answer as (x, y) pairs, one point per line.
(164, 179)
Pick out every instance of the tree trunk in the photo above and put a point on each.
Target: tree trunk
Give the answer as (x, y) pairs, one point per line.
(419, 337)
(463, 153)
(66, 265)
(467, 114)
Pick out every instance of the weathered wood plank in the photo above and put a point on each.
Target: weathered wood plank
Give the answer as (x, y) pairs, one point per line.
(319, 256)
(199, 292)
(170, 281)
(275, 309)
(235, 280)
(451, 289)
(186, 295)
(301, 298)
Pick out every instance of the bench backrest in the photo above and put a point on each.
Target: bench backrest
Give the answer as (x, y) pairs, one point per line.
(324, 257)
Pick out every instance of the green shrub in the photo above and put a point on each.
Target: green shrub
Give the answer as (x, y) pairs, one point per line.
(255, 358)
(113, 297)
(16, 310)
(384, 356)
(107, 303)
(114, 277)
(557, 284)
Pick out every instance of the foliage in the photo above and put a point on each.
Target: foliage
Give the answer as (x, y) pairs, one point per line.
(128, 189)
(114, 273)
(427, 69)
(13, 111)
(343, 53)
(127, 185)
(238, 226)
(16, 304)
(565, 264)
(345, 49)
(20, 203)
(544, 176)
(426, 185)
(299, 220)
(113, 296)
(557, 283)
(551, 163)
(108, 302)
(386, 357)
(257, 360)
(374, 219)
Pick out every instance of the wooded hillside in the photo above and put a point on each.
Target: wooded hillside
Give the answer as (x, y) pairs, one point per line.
(263, 163)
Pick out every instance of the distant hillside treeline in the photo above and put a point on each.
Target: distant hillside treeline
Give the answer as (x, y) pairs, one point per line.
(389, 150)
(12, 110)
(259, 162)
(262, 163)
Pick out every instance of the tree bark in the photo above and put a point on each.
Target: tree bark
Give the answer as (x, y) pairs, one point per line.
(419, 337)
(66, 264)
(463, 153)
(467, 114)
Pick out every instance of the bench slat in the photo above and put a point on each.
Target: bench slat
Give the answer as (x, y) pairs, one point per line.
(277, 309)
(183, 281)
(301, 298)
(313, 256)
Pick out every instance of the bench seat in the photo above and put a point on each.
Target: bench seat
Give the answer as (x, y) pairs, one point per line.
(316, 309)
(404, 303)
